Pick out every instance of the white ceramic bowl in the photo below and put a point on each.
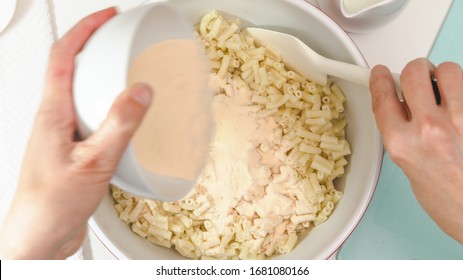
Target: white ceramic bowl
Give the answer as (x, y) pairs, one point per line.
(101, 75)
(305, 21)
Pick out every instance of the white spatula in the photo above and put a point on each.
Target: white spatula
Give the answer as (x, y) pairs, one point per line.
(311, 64)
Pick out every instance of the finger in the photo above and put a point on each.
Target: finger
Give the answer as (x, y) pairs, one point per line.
(58, 90)
(417, 87)
(450, 83)
(388, 110)
(126, 114)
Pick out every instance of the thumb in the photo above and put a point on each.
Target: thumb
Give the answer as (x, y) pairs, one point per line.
(109, 141)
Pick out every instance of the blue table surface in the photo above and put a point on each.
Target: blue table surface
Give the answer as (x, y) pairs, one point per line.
(395, 226)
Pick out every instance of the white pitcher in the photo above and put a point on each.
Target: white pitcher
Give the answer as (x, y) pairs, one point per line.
(359, 16)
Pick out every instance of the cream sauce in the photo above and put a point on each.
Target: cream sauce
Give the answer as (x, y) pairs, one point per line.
(175, 135)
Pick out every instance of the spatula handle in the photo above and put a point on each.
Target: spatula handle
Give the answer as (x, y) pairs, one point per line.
(355, 73)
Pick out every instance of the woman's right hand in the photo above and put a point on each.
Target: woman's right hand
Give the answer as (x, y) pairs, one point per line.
(426, 139)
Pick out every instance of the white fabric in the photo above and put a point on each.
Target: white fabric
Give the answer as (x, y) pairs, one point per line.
(24, 49)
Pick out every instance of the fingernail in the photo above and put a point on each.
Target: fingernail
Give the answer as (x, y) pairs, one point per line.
(141, 93)
(113, 8)
(377, 70)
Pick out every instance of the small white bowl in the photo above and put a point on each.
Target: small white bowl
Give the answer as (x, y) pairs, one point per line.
(301, 19)
(376, 15)
(7, 10)
(101, 75)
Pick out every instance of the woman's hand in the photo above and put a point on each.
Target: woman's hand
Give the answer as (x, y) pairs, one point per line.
(426, 139)
(63, 180)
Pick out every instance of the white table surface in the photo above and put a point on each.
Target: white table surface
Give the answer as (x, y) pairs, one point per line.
(409, 36)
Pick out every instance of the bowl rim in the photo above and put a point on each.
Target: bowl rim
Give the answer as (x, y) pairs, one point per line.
(378, 161)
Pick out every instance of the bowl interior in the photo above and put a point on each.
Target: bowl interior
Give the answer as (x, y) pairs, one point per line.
(305, 21)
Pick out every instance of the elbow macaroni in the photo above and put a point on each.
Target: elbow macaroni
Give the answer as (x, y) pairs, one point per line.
(309, 142)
